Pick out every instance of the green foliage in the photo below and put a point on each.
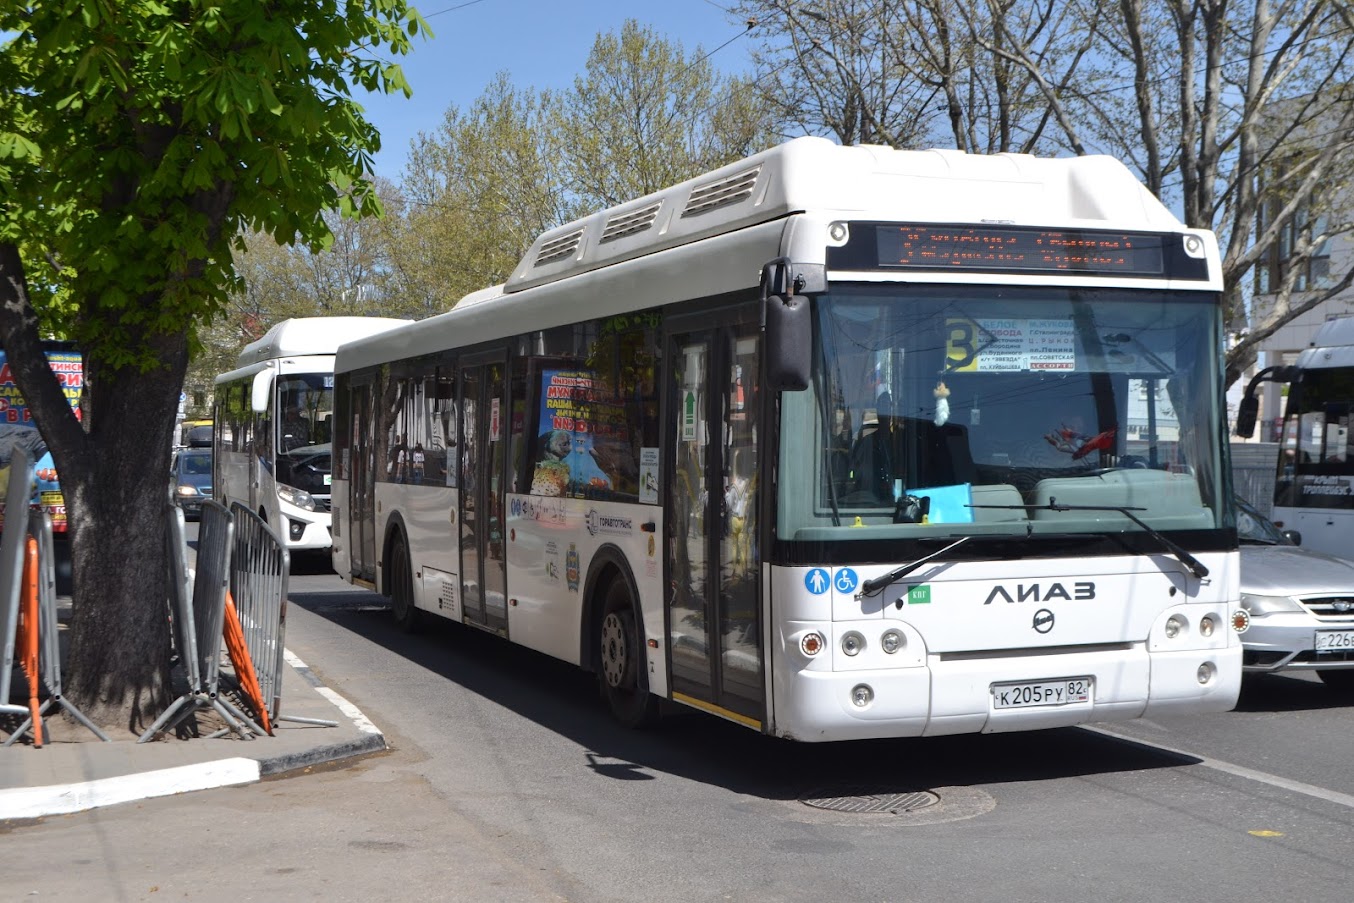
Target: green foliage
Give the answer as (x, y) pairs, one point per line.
(139, 138)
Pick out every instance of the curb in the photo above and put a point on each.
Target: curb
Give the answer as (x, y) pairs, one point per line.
(63, 799)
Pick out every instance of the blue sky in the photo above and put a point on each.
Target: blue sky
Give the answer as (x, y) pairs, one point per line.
(540, 43)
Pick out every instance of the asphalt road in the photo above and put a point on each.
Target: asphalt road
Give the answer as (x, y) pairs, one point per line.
(508, 781)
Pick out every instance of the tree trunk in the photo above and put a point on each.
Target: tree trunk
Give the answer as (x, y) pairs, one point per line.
(117, 668)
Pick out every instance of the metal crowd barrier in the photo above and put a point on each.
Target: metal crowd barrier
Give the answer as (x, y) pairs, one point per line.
(258, 585)
(12, 542)
(49, 638)
(199, 619)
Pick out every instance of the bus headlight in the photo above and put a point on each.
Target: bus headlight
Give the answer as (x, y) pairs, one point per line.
(1206, 625)
(852, 643)
(298, 497)
(1175, 625)
(891, 641)
(861, 695)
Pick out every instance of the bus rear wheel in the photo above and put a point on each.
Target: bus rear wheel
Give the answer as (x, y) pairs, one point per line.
(401, 585)
(620, 660)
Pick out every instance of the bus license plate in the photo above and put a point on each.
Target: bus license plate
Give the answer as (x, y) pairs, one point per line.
(1032, 693)
(1335, 641)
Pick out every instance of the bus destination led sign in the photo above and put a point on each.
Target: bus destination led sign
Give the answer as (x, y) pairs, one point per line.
(1018, 250)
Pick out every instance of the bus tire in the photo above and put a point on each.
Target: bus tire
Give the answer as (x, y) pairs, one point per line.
(400, 585)
(620, 660)
(1340, 680)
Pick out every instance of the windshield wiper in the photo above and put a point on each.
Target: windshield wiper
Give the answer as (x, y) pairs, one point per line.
(870, 587)
(1195, 565)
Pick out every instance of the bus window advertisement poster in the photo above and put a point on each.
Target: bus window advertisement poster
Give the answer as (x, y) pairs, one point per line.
(18, 430)
(579, 436)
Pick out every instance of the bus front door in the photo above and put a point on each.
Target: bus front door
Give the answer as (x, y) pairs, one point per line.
(714, 609)
(483, 444)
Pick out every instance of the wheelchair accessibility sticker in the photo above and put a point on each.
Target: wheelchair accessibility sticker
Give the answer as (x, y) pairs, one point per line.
(845, 581)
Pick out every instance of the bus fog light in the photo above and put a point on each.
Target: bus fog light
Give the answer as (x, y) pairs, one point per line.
(811, 643)
(1175, 625)
(852, 643)
(1207, 671)
(861, 695)
(1206, 625)
(1241, 620)
(891, 641)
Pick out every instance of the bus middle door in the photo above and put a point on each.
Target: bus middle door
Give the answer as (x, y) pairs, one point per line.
(483, 477)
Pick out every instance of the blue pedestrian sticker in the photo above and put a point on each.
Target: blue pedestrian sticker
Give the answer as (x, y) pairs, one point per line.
(846, 580)
(817, 581)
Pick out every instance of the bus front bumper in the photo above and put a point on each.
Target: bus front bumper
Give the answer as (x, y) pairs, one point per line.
(964, 695)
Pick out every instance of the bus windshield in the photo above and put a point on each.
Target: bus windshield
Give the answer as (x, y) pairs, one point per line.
(952, 410)
(1316, 464)
(305, 405)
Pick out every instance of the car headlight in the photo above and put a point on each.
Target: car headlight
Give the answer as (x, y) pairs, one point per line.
(186, 491)
(1259, 606)
(298, 497)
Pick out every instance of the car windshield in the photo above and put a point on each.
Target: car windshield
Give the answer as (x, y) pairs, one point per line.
(1254, 527)
(1010, 411)
(195, 465)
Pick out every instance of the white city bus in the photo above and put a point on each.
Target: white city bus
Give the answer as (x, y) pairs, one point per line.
(831, 442)
(1314, 486)
(273, 421)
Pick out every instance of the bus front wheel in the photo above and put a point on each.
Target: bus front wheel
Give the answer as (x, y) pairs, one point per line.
(620, 660)
(401, 585)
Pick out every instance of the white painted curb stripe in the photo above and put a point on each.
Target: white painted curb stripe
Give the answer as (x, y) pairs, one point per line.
(350, 711)
(33, 802)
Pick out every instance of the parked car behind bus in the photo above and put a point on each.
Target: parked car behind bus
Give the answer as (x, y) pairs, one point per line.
(1301, 604)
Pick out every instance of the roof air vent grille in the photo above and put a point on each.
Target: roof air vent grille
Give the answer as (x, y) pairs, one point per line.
(630, 223)
(729, 190)
(559, 248)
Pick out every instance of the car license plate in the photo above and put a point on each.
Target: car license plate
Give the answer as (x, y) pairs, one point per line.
(1032, 693)
(1335, 641)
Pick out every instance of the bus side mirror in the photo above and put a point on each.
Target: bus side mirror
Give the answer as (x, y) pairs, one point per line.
(789, 342)
(1246, 413)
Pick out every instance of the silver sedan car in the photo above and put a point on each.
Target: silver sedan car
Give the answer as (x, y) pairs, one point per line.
(1301, 604)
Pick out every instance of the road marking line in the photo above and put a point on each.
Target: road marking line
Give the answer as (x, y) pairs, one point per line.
(35, 802)
(350, 711)
(1250, 774)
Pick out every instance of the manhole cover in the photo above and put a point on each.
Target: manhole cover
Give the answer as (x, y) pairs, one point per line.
(865, 801)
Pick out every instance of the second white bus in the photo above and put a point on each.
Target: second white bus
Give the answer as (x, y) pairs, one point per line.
(831, 442)
(273, 422)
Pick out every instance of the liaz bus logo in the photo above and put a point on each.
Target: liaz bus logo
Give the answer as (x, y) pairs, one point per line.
(1040, 592)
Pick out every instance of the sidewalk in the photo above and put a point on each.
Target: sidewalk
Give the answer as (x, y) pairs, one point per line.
(64, 777)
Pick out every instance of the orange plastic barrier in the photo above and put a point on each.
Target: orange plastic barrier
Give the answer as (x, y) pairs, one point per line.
(244, 665)
(27, 635)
